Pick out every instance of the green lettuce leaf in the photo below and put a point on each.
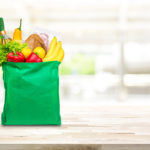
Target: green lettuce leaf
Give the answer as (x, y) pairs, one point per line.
(8, 48)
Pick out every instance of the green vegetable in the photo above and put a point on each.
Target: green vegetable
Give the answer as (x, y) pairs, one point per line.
(8, 48)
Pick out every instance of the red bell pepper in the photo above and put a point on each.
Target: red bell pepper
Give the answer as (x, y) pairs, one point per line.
(33, 58)
(15, 57)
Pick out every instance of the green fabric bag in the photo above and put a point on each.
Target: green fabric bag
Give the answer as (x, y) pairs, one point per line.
(31, 93)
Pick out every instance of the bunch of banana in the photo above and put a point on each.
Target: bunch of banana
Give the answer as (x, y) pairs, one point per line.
(55, 52)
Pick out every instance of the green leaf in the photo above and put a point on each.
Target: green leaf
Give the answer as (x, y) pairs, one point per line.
(8, 48)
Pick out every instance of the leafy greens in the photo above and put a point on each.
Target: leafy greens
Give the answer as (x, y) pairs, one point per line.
(8, 48)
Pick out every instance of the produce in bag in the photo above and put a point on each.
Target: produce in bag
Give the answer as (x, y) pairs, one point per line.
(46, 36)
(55, 52)
(33, 58)
(31, 83)
(17, 36)
(26, 52)
(15, 57)
(40, 51)
(4, 38)
(34, 41)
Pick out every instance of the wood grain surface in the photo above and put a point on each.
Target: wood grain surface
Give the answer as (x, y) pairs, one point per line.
(74, 147)
(87, 124)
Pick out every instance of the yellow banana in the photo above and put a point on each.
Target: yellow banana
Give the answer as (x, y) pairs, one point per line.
(51, 47)
(55, 53)
(60, 56)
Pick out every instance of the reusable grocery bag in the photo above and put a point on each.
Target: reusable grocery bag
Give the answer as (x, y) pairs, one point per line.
(31, 93)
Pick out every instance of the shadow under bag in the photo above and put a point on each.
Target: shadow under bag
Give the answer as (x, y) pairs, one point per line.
(31, 93)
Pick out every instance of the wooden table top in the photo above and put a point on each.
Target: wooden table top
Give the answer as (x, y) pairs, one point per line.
(87, 124)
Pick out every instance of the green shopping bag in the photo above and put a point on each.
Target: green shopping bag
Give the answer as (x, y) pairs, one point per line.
(31, 93)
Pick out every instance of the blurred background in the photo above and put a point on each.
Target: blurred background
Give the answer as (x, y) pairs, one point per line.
(106, 43)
